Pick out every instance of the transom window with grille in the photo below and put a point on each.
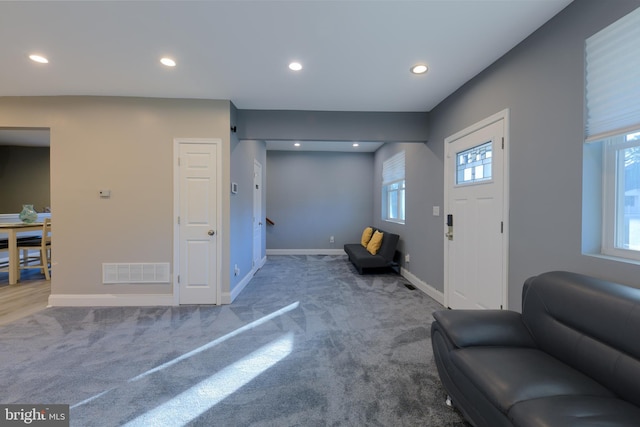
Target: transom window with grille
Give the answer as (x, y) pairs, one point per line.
(474, 165)
(393, 188)
(612, 131)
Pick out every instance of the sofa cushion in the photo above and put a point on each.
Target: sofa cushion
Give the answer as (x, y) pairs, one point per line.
(366, 236)
(511, 375)
(575, 411)
(362, 258)
(376, 241)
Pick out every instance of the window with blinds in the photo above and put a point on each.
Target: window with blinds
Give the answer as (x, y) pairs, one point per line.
(613, 79)
(612, 122)
(393, 188)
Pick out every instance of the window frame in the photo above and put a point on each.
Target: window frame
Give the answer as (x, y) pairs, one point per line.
(387, 191)
(613, 197)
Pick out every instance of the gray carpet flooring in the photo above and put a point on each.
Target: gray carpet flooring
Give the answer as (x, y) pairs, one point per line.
(309, 342)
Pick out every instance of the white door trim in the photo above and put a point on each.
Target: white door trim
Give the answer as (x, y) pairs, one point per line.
(176, 212)
(502, 115)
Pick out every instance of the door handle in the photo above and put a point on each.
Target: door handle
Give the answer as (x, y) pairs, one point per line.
(211, 232)
(260, 223)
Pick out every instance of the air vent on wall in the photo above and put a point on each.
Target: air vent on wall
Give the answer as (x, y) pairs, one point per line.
(135, 273)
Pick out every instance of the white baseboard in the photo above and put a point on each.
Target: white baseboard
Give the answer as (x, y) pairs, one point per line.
(225, 298)
(306, 252)
(228, 298)
(424, 287)
(110, 300)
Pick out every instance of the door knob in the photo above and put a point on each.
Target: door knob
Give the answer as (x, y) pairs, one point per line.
(211, 232)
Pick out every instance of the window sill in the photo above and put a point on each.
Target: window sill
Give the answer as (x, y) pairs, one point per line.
(394, 221)
(614, 258)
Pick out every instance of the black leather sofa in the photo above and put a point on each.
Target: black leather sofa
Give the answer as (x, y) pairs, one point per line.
(385, 257)
(572, 358)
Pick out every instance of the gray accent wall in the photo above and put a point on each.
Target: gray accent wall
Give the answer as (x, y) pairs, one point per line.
(332, 125)
(421, 236)
(243, 155)
(541, 82)
(314, 195)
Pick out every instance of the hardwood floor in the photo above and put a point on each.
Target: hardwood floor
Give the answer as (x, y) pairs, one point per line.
(29, 296)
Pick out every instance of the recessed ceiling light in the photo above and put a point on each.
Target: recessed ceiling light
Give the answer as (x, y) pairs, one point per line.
(419, 69)
(38, 58)
(297, 144)
(295, 66)
(168, 62)
(355, 144)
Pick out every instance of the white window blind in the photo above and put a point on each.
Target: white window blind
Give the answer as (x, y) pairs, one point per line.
(393, 168)
(613, 79)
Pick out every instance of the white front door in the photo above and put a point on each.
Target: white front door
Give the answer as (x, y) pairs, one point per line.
(257, 214)
(197, 223)
(475, 193)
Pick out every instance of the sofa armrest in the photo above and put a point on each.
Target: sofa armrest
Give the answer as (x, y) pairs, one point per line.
(468, 328)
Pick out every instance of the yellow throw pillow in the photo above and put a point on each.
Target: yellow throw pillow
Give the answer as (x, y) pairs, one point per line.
(374, 244)
(366, 236)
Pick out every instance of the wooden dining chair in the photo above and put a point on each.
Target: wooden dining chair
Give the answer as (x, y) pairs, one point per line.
(4, 261)
(43, 245)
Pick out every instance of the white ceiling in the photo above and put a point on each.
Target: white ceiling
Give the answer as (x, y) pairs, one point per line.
(356, 54)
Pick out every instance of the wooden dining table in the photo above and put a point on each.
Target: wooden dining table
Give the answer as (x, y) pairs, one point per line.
(12, 229)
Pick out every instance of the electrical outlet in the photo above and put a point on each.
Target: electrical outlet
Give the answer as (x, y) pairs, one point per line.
(407, 258)
(332, 239)
(236, 270)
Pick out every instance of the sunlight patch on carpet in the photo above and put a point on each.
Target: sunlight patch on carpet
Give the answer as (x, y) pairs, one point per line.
(200, 349)
(220, 340)
(195, 401)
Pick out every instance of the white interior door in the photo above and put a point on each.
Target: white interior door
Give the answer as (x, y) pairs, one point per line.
(197, 223)
(258, 221)
(475, 242)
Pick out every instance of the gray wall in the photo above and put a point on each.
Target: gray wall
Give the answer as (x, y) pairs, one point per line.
(243, 155)
(24, 178)
(332, 126)
(314, 195)
(541, 82)
(421, 235)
